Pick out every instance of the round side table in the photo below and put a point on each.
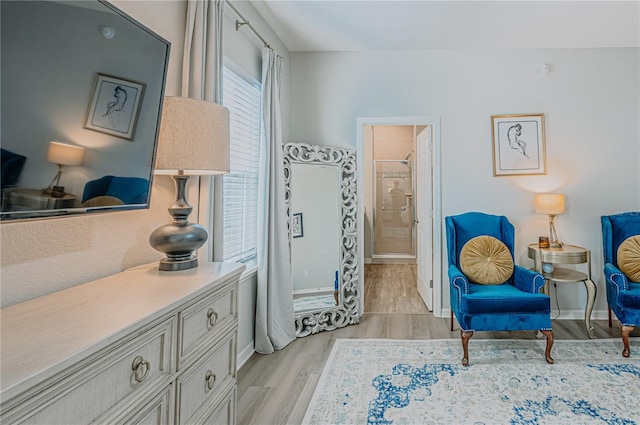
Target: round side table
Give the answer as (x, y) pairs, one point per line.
(567, 254)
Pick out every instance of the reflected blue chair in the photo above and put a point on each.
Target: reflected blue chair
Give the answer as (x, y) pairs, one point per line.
(130, 190)
(516, 304)
(623, 295)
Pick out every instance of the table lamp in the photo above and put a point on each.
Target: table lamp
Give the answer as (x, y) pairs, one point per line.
(551, 204)
(61, 154)
(193, 140)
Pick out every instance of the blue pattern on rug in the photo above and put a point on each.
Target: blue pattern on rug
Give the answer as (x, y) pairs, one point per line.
(533, 411)
(617, 369)
(384, 382)
(394, 390)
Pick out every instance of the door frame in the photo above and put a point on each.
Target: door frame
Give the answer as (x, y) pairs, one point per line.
(424, 214)
(434, 122)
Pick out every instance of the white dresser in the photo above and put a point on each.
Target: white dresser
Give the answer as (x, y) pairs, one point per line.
(139, 347)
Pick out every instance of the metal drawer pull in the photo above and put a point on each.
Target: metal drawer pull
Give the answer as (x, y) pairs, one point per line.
(212, 316)
(210, 377)
(141, 368)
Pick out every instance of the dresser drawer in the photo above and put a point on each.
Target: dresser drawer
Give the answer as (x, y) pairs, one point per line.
(158, 411)
(206, 381)
(203, 322)
(224, 412)
(120, 376)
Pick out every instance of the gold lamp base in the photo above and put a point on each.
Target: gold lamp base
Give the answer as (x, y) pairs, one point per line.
(553, 235)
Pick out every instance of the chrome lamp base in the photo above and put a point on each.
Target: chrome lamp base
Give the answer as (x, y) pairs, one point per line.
(180, 239)
(172, 266)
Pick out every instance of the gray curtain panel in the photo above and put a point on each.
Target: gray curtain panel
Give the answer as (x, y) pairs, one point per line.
(275, 325)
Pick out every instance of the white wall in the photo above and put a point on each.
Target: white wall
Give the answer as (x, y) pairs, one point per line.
(590, 101)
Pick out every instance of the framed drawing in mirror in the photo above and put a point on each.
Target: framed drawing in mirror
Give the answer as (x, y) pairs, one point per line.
(296, 226)
(114, 106)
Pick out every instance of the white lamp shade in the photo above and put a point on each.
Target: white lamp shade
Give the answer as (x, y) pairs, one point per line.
(63, 154)
(194, 137)
(549, 203)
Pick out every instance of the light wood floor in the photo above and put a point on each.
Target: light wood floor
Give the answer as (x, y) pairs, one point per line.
(277, 388)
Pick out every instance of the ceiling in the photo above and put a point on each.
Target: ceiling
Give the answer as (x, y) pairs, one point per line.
(351, 25)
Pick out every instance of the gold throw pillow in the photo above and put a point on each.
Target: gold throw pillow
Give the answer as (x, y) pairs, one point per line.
(102, 201)
(629, 257)
(486, 260)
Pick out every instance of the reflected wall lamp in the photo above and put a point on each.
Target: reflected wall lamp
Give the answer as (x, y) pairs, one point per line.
(551, 204)
(193, 140)
(61, 154)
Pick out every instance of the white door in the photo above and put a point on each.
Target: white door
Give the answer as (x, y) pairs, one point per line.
(424, 214)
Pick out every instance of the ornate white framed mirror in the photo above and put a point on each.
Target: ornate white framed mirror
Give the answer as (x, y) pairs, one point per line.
(321, 194)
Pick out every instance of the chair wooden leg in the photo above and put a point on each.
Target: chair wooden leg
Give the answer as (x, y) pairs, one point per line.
(466, 336)
(610, 322)
(547, 352)
(451, 321)
(626, 330)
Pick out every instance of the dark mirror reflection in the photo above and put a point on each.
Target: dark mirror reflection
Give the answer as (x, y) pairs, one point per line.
(82, 86)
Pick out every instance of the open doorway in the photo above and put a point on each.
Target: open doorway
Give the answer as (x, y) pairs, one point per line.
(398, 220)
(391, 235)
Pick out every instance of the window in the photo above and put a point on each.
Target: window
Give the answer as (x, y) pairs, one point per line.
(240, 186)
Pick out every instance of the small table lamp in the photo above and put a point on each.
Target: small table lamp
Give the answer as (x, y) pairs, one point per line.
(193, 140)
(551, 204)
(61, 154)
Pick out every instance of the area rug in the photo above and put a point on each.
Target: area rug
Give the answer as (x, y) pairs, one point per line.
(383, 381)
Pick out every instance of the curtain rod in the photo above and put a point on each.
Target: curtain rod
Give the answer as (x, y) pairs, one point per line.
(246, 22)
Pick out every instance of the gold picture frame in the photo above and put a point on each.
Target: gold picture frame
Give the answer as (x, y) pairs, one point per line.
(519, 146)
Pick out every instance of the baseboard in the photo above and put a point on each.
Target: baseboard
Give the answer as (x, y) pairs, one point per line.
(445, 313)
(579, 315)
(564, 314)
(245, 354)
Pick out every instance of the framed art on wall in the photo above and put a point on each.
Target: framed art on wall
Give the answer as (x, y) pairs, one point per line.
(518, 144)
(114, 106)
(296, 226)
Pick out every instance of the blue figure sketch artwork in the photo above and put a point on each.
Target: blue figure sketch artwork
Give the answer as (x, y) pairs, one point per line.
(513, 136)
(117, 105)
(114, 106)
(518, 145)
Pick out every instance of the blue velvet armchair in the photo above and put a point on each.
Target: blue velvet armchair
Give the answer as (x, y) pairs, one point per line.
(623, 295)
(516, 304)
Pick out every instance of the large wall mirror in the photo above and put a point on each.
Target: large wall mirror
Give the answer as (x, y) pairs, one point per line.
(321, 199)
(82, 88)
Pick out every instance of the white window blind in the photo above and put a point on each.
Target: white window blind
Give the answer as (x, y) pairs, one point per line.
(240, 186)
